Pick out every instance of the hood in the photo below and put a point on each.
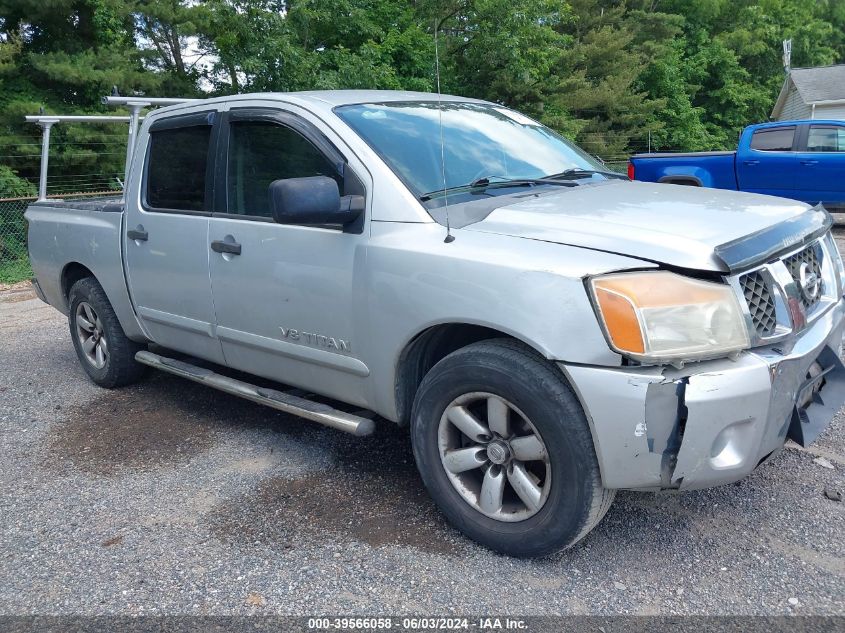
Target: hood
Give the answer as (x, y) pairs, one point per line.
(672, 224)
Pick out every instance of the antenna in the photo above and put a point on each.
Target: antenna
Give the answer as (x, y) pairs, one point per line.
(449, 237)
(787, 55)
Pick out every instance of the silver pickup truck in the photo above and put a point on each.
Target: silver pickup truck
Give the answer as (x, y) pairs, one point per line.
(549, 332)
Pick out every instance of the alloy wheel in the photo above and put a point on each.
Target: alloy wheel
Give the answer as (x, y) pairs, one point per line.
(92, 339)
(494, 457)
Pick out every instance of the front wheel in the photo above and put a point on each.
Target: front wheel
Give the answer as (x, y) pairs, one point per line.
(504, 448)
(106, 354)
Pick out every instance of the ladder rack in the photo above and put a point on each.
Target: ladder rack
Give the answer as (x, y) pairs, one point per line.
(134, 104)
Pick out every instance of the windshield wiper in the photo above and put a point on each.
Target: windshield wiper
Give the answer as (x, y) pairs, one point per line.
(482, 184)
(576, 172)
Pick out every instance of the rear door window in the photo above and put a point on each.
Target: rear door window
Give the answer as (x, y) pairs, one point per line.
(177, 168)
(774, 139)
(826, 138)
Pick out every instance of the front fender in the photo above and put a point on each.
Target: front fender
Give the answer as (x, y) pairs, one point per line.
(531, 290)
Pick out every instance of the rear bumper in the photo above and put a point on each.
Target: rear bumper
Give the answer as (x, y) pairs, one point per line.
(713, 422)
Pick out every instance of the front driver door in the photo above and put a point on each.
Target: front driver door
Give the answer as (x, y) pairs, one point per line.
(285, 295)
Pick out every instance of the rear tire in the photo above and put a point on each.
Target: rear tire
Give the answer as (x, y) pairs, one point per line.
(104, 351)
(563, 499)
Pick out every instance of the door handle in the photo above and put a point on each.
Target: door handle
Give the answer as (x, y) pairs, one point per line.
(232, 248)
(809, 162)
(752, 162)
(139, 235)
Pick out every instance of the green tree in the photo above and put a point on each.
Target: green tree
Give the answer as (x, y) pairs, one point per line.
(315, 44)
(616, 75)
(598, 75)
(732, 57)
(163, 30)
(500, 50)
(62, 56)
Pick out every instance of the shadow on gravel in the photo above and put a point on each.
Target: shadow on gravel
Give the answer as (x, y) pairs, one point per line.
(372, 495)
(160, 422)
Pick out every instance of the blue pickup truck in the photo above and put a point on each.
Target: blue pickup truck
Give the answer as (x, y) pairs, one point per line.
(803, 160)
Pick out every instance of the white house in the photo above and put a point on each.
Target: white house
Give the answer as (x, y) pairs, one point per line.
(812, 93)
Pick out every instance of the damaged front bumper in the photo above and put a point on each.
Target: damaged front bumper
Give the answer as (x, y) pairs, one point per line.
(712, 422)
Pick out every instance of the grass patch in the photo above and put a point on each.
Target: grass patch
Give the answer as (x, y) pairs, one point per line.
(15, 271)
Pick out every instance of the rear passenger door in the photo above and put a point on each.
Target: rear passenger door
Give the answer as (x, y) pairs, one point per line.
(286, 298)
(768, 166)
(166, 234)
(821, 164)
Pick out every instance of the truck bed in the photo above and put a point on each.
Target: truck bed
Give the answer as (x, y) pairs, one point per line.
(68, 237)
(683, 154)
(107, 204)
(703, 169)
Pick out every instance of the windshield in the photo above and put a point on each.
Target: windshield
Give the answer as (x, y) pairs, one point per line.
(480, 141)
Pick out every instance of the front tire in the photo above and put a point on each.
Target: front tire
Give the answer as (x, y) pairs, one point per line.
(504, 448)
(104, 351)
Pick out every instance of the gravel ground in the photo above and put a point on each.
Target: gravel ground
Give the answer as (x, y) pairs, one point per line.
(169, 498)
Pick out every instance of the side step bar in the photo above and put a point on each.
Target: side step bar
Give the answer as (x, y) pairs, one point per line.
(287, 402)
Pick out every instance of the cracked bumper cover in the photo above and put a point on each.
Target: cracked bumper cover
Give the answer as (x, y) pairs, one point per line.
(712, 422)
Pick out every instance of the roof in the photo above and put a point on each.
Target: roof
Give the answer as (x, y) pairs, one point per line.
(345, 97)
(826, 83)
(349, 97)
(814, 85)
(318, 99)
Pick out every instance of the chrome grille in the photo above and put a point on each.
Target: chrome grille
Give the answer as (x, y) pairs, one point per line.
(760, 302)
(793, 263)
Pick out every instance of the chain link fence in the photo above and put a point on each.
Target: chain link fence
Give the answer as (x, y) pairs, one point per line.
(14, 262)
(618, 166)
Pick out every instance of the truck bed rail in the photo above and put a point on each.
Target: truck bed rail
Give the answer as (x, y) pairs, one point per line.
(134, 104)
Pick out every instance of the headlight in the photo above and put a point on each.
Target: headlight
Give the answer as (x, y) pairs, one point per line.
(660, 316)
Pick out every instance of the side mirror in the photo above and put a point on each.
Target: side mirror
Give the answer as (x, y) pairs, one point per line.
(312, 200)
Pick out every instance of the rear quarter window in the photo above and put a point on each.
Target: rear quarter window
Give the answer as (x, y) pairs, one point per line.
(774, 139)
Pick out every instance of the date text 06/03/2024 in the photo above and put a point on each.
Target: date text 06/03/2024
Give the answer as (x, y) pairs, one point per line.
(418, 624)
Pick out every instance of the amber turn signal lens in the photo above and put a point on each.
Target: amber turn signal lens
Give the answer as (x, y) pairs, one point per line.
(621, 321)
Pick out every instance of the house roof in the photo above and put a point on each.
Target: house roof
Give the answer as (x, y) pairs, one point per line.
(814, 85)
(826, 83)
